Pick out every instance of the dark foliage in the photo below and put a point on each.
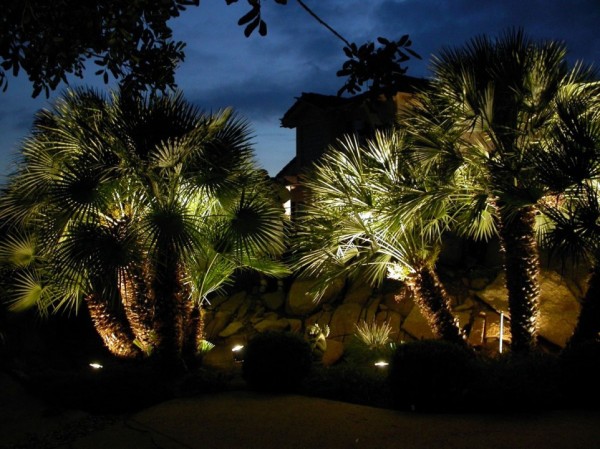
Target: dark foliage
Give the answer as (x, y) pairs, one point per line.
(380, 67)
(349, 382)
(131, 41)
(516, 382)
(431, 375)
(276, 362)
(580, 374)
(253, 18)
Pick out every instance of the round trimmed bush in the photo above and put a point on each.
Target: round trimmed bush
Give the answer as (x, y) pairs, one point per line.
(276, 362)
(431, 375)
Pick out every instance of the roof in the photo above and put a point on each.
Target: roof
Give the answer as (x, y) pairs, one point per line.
(290, 169)
(325, 103)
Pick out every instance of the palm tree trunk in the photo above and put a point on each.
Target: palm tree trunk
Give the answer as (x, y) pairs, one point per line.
(114, 333)
(434, 303)
(521, 263)
(588, 323)
(168, 318)
(138, 302)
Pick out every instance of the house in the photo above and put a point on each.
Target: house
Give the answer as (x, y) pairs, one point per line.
(319, 120)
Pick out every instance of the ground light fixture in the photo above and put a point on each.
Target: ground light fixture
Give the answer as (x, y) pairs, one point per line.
(381, 364)
(96, 365)
(238, 353)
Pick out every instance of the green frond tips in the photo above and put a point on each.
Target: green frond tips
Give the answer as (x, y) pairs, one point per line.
(253, 226)
(30, 291)
(373, 334)
(18, 251)
(133, 199)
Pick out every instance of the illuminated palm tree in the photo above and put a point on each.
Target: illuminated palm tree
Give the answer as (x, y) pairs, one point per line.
(142, 207)
(571, 167)
(489, 106)
(352, 226)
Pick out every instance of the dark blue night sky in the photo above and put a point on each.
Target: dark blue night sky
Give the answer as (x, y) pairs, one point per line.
(261, 76)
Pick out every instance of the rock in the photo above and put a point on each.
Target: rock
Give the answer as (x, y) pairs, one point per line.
(295, 325)
(400, 301)
(344, 320)
(492, 323)
(359, 293)
(273, 300)
(217, 301)
(478, 283)
(417, 326)
(468, 304)
(215, 325)
(244, 309)
(233, 303)
(477, 333)
(301, 302)
(272, 325)
(322, 318)
(231, 329)
(220, 357)
(333, 353)
(463, 317)
(370, 310)
(559, 308)
(495, 294)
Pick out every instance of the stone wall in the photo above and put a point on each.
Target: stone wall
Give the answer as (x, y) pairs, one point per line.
(479, 299)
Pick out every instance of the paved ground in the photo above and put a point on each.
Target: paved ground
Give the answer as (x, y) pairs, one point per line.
(241, 419)
(247, 420)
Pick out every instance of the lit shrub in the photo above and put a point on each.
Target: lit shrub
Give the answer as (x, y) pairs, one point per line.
(369, 344)
(431, 375)
(276, 362)
(373, 334)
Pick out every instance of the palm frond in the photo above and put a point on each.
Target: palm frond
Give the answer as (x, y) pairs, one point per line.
(18, 250)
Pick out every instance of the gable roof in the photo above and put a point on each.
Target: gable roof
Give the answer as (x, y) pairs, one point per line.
(325, 103)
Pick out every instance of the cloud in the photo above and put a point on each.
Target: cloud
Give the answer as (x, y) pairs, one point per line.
(433, 25)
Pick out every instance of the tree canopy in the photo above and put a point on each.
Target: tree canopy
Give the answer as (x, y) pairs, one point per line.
(132, 43)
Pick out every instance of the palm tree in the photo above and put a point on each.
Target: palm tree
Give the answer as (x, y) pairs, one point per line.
(571, 167)
(489, 106)
(141, 207)
(352, 228)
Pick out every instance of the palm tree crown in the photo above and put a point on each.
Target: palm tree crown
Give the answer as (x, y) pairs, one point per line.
(143, 206)
(490, 105)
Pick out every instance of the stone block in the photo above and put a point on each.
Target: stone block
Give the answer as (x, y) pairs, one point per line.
(272, 325)
(359, 293)
(344, 320)
(233, 303)
(301, 302)
(333, 353)
(231, 329)
(273, 300)
(215, 325)
(417, 326)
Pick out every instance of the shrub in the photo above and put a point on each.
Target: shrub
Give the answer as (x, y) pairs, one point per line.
(431, 375)
(347, 382)
(580, 374)
(276, 362)
(516, 382)
(374, 335)
(358, 353)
